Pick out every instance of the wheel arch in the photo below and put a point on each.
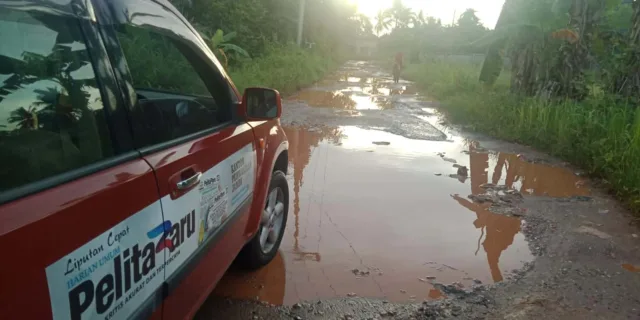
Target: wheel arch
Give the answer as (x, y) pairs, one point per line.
(282, 162)
(279, 160)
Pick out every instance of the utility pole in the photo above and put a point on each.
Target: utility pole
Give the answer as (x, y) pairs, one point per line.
(300, 22)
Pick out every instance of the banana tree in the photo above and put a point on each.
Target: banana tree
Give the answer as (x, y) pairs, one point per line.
(567, 76)
(521, 34)
(549, 54)
(494, 60)
(626, 82)
(219, 44)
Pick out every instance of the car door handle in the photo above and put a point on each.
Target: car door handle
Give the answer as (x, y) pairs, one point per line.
(189, 182)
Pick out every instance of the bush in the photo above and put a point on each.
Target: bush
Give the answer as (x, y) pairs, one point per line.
(285, 68)
(599, 134)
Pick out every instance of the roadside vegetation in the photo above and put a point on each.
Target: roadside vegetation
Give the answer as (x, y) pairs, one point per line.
(418, 35)
(599, 134)
(256, 40)
(287, 68)
(559, 75)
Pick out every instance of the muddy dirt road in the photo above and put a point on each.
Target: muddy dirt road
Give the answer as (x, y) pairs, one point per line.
(395, 215)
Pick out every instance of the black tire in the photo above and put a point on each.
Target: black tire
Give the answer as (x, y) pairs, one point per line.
(252, 257)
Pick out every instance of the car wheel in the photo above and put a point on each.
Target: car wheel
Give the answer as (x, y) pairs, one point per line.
(265, 244)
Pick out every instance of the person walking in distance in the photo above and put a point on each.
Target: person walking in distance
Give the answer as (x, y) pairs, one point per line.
(396, 72)
(399, 59)
(397, 67)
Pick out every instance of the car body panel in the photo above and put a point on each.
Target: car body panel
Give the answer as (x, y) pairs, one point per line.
(47, 227)
(272, 143)
(190, 275)
(45, 222)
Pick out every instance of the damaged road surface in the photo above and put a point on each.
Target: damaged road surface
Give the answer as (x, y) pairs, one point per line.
(396, 216)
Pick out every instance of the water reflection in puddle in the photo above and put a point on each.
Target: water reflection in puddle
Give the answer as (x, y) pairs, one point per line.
(369, 97)
(435, 294)
(359, 79)
(266, 284)
(631, 268)
(325, 99)
(532, 178)
(376, 220)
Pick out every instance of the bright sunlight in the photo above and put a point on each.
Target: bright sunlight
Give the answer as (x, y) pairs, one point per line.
(448, 11)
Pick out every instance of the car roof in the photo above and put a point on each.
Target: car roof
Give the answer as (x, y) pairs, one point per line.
(82, 9)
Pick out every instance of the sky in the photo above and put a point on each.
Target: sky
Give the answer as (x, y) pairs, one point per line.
(487, 10)
(13, 35)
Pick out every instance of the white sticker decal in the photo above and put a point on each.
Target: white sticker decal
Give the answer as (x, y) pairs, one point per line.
(112, 275)
(222, 191)
(213, 205)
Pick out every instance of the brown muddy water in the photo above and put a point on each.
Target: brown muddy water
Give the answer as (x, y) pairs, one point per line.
(631, 268)
(376, 214)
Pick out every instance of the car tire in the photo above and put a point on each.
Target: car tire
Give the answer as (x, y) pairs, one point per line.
(255, 254)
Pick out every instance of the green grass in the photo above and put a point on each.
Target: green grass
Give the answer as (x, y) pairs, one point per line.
(286, 69)
(598, 134)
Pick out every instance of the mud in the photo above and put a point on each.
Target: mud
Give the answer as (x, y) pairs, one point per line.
(394, 215)
(339, 187)
(364, 96)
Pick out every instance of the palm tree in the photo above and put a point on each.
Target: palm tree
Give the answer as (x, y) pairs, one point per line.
(383, 21)
(469, 19)
(400, 14)
(431, 21)
(24, 118)
(364, 24)
(57, 66)
(419, 20)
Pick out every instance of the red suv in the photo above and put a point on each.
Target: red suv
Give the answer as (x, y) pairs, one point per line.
(132, 174)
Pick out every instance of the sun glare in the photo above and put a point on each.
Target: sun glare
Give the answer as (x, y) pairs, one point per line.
(449, 11)
(371, 7)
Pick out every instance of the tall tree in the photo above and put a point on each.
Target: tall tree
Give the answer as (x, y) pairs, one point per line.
(383, 21)
(365, 27)
(418, 20)
(469, 19)
(24, 118)
(400, 14)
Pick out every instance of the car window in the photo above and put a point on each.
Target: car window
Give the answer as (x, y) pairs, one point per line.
(178, 93)
(51, 112)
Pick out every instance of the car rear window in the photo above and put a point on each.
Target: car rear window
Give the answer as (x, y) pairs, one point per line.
(51, 111)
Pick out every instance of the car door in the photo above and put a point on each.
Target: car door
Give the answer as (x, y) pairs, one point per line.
(183, 123)
(76, 200)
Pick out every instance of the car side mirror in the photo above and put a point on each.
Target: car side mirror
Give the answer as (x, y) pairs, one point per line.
(261, 104)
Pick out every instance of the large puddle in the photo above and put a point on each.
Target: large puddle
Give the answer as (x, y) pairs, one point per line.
(353, 93)
(387, 219)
